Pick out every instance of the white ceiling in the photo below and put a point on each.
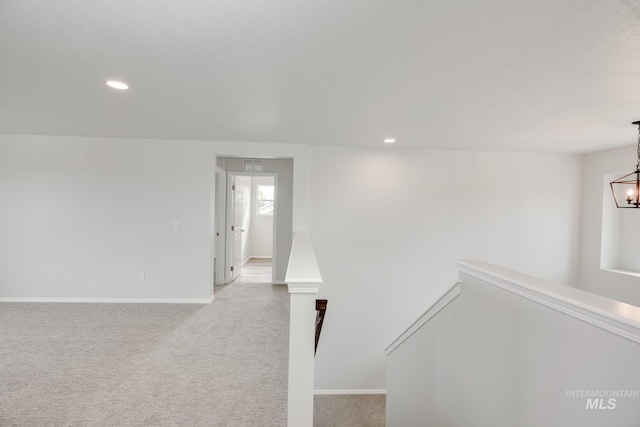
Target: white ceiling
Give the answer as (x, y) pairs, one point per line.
(542, 75)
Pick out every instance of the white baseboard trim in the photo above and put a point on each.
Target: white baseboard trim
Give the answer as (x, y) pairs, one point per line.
(116, 300)
(279, 282)
(261, 256)
(359, 391)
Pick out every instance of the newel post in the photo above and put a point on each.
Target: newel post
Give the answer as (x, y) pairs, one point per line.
(303, 278)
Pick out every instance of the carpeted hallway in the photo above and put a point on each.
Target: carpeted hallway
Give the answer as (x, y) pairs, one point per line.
(222, 364)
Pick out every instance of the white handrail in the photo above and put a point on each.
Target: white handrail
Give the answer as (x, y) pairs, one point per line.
(451, 294)
(614, 316)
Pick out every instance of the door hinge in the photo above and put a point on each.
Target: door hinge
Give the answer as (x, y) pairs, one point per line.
(231, 268)
(233, 188)
(232, 228)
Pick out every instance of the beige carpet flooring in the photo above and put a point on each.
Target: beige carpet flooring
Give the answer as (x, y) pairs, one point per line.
(222, 364)
(349, 410)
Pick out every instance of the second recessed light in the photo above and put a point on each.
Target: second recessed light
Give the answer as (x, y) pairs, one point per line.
(117, 85)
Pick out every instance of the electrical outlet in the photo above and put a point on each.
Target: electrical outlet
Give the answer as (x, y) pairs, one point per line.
(141, 277)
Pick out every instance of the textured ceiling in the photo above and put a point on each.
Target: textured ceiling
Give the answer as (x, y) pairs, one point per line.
(544, 75)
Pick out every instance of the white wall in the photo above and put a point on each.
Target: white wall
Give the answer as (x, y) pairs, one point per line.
(611, 284)
(261, 240)
(494, 358)
(388, 224)
(628, 232)
(80, 217)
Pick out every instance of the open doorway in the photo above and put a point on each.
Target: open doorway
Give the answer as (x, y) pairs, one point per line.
(251, 204)
(260, 228)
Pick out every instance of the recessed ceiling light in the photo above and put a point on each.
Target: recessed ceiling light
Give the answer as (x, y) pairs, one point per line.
(389, 140)
(117, 85)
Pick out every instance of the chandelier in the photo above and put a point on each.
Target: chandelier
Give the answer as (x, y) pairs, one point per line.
(626, 190)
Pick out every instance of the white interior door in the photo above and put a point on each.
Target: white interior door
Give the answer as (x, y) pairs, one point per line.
(220, 228)
(236, 228)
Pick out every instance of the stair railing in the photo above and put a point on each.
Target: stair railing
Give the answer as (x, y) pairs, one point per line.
(321, 309)
(303, 279)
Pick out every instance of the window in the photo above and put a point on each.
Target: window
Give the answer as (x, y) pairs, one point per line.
(265, 199)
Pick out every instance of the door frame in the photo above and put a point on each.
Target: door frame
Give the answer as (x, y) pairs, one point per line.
(228, 219)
